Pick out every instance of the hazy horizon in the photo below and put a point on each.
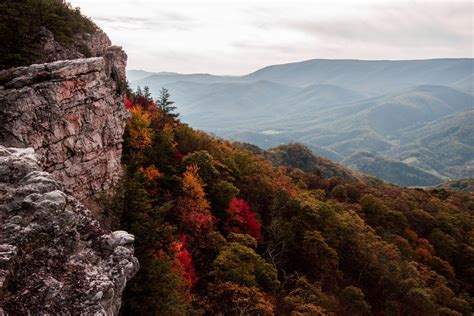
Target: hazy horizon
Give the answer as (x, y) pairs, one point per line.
(292, 62)
(238, 37)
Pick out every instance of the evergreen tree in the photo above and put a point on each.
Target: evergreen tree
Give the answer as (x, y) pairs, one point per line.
(166, 105)
(139, 92)
(147, 94)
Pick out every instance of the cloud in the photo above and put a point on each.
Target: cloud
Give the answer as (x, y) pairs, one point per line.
(236, 37)
(159, 20)
(403, 24)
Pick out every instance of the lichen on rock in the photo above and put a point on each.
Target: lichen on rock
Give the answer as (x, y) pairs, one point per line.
(54, 258)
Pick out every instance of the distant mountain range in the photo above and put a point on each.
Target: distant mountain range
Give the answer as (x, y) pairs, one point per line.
(407, 122)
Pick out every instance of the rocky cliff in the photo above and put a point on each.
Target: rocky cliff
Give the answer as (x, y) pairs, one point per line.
(66, 119)
(54, 258)
(71, 112)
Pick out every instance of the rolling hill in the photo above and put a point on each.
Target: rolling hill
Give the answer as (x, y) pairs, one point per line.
(390, 170)
(370, 76)
(415, 113)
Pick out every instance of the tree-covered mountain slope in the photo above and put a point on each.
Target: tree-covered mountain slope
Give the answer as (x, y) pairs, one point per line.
(390, 170)
(222, 230)
(463, 185)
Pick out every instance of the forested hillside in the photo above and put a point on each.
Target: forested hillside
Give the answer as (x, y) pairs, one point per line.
(415, 115)
(221, 230)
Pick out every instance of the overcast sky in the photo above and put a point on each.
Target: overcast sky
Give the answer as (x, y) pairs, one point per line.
(240, 36)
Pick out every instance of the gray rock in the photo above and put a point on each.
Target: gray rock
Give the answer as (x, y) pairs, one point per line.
(71, 112)
(119, 238)
(54, 258)
(83, 45)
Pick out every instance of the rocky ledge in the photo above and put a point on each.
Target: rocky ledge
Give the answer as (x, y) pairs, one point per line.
(83, 45)
(71, 112)
(54, 258)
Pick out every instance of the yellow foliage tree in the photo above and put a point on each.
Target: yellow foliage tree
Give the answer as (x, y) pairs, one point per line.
(139, 129)
(194, 188)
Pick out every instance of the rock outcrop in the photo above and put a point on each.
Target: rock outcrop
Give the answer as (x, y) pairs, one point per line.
(66, 119)
(83, 45)
(71, 112)
(54, 258)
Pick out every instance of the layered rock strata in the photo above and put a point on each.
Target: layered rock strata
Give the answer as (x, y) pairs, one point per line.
(71, 112)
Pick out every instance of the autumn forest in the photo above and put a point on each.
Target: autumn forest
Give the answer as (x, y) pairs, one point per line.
(223, 229)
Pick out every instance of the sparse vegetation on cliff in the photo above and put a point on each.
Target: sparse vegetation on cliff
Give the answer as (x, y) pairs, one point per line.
(21, 23)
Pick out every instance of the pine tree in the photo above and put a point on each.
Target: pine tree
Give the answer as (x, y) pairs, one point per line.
(139, 92)
(147, 94)
(166, 105)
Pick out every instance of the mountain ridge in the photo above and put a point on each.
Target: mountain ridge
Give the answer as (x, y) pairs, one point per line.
(338, 105)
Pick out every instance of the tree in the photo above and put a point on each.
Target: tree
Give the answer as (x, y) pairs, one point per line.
(166, 105)
(193, 188)
(241, 219)
(240, 264)
(316, 250)
(138, 133)
(127, 102)
(205, 162)
(185, 262)
(151, 173)
(158, 289)
(353, 301)
(308, 299)
(139, 92)
(221, 193)
(193, 208)
(147, 94)
(233, 299)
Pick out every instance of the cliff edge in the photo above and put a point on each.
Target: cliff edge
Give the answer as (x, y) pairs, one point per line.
(61, 128)
(71, 112)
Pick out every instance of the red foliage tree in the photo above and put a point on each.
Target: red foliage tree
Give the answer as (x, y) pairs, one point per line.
(127, 102)
(197, 221)
(185, 262)
(241, 219)
(143, 102)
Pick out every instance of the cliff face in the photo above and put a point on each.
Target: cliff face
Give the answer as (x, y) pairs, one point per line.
(67, 119)
(71, 112)
(54, 258)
